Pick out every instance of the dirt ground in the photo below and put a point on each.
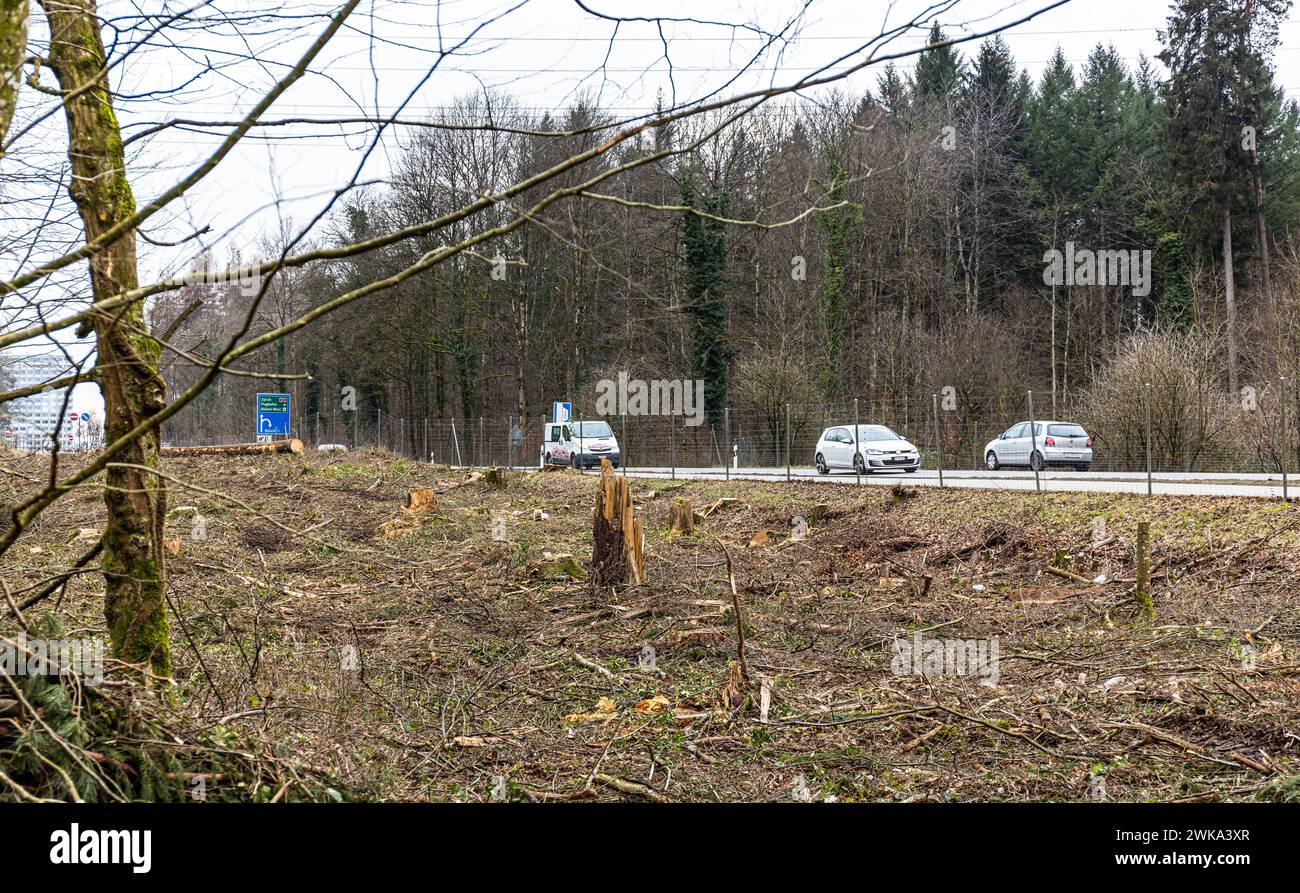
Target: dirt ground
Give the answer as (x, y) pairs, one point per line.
(454, 653)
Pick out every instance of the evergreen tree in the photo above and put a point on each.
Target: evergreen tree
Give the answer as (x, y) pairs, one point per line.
(704, 244)
(1219, 88)
(938, 69)
(837, 225)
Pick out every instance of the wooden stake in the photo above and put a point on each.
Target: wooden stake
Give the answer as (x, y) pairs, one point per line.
(1144, 570)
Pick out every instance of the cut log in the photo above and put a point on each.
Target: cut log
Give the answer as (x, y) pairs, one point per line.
(618, 543)
(681, 516)
(293, 445)
(495, 477)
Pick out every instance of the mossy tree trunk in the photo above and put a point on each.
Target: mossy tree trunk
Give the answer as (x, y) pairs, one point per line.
(13, 49)
(127, 364)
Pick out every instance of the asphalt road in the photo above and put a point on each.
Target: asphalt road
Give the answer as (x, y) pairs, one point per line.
(1268, 486)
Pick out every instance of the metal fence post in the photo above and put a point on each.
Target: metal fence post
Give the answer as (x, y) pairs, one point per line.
(857, 449)
(1033, 444)
(726, 438)
(510, 441)
(938, 437)
(379, 429)
(582, 460)
(622, 451)
(787, 443)
(1286, 443)
(1146, 409)
(672, 443)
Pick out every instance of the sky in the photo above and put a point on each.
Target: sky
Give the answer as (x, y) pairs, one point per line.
(543, 52)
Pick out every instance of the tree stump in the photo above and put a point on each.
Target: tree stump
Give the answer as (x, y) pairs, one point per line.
(618, 543)
(495, 477)
(681, 516)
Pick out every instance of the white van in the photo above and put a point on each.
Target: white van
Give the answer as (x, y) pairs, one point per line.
(579, 444)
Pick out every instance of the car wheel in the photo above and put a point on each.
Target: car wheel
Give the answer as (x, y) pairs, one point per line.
(991, 461)
(821, 465)
(573, 462)
(860, 465)
(1036, 461)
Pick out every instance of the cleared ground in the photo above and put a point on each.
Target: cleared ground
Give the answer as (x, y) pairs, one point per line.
(455, 652)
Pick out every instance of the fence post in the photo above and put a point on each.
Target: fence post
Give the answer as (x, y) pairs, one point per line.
(938, 437)
(582, 461)
(857, 449)
(787, 443)
(379, 430)
(672, 443)
(510, 441)
(622, 446)
(1146, 409)
(1033, 444)
(1286, 443)
(726, 438)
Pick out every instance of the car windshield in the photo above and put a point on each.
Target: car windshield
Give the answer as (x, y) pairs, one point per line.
(1066, 431)
(876, 432)
(592, 429)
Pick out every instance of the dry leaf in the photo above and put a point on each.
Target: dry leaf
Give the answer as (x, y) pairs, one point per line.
(652, 705)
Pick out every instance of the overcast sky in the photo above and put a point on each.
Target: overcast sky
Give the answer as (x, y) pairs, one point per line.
(544, 54)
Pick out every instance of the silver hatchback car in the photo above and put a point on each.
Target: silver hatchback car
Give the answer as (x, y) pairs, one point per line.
(1051, 443)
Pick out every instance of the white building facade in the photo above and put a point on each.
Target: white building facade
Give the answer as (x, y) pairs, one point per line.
(32, 420)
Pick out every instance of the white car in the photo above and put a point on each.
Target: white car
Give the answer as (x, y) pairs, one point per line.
(1052, 443)
(579, 444)
(877, 449)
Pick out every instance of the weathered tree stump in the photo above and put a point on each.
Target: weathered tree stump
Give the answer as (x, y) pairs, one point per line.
(495, 477)
(618, 543)
(681, 516)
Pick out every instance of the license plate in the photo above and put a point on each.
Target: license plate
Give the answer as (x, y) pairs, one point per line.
(1073, 455)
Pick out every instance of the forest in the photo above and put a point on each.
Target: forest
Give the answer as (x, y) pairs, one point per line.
(879, 247)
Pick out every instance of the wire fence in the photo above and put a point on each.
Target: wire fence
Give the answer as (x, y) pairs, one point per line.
(1147, 434)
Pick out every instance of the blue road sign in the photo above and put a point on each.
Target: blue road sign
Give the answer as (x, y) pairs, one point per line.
(273, 415)
(561, 412)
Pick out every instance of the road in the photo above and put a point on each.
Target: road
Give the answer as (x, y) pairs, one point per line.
(1265, 486)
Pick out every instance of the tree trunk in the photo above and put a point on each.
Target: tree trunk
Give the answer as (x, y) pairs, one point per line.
(13, 49)
(293, 445)
(1230, 301)
(1261, 231)
(127, 364)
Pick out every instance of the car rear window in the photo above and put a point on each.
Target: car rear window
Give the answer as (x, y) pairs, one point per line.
(1066, 431)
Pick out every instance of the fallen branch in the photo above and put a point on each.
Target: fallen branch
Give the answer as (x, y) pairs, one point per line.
(634, 788)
